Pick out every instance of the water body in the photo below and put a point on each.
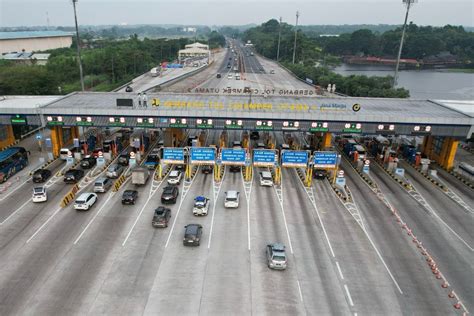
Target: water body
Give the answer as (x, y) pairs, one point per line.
(422, 84)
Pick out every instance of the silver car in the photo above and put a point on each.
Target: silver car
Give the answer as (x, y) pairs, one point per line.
(114, 171)
(276, 256)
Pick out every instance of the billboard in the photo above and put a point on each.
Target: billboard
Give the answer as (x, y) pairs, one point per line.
(173, 155)
(294, 158)
(233, 156)
(325, 159)
(264, 157)
(203, 155)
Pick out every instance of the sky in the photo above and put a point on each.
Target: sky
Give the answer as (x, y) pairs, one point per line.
(233, 12)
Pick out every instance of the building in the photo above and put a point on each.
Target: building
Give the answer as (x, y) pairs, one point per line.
(27, 58)
(194, 51)
(31, 41)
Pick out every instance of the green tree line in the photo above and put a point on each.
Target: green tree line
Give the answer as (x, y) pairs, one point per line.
(107, 64)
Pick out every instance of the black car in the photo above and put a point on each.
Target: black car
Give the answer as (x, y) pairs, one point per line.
(320, 174)
(129, 197)
(161, 217)
(218, 75)
(128, 89)
(206, 169)
(234, 168)
(88, 162)
(169, 195)
(179, 167)
(254, 135)
(73, 175)
(192, 235)
(228, 65)
(41, 175)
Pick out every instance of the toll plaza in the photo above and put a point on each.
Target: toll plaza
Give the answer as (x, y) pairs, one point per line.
(441, 126)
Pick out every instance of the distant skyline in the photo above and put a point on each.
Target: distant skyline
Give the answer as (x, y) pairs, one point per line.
(237, 12)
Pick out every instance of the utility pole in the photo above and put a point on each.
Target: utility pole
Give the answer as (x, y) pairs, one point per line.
(408, 4)
(279, 38)
(78, 46)
(296, 32)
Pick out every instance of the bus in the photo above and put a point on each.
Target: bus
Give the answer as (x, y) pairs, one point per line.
(12, 160)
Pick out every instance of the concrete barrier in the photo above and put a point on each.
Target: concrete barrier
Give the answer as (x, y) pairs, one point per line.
(69, 197)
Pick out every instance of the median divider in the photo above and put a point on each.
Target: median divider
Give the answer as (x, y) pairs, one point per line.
(118, 183)
(69, 197)
(433, 180)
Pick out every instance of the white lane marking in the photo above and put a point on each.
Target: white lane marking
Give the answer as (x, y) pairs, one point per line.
(348, 295)
(339, 269)
(179, 209)
(12, 214)
(299, 290)
(136, 220)
(44, 224)
(282, 212)
(93, 218)
(214, 208)
(248, 206)
(383, 261)
(14, 190)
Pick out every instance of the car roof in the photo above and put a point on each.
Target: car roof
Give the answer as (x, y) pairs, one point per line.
(232, 193)
(161, 210)
(84, 195)
(200, 198)
(190, 228)
(266, 174)
(174, 172)
(130, 191)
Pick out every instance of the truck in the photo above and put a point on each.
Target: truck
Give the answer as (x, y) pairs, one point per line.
(140, 175)
(154, 72)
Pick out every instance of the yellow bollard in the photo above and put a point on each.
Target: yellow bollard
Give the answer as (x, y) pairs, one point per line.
(309, 176)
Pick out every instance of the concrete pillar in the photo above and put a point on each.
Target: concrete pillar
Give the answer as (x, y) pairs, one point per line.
(450, 152)
(56, 140)
(427, 147)
(168, 138)
(10, 138)
(326, 140)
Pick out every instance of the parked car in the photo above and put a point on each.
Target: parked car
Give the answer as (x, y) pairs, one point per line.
(169, 195)
(129, 197)
(85, 201)
(192, 235)
(102, 184)
(88, 162)
(254, 135)
(232, 199)
(175, 177)
(39, 195)
(201, 206)
(161, 217)
(114, 171)
(276, 256)
(206, 169)
(73, 175)
(234, 168)
(266, 179)
(320, 174)
(41, 175)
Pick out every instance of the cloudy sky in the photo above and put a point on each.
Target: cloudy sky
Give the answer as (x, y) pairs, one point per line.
(234, 12)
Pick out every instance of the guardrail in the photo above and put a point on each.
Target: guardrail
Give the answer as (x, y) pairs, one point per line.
(178, 79)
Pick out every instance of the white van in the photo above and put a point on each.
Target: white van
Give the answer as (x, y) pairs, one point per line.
(39, 195)
(64, 152)
(102, 184)
(232, 199)
(266, 179)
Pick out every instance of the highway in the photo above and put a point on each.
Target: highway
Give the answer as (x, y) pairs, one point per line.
(111, 260)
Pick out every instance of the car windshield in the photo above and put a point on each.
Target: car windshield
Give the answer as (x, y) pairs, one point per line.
(279, 258)
(38, 190)
(168, 190)
(231, 199)
(80, 201)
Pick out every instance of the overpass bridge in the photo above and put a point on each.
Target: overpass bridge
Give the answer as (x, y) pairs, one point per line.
(292, 112)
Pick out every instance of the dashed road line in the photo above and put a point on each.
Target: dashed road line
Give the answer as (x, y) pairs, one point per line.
(17, 210)
(348, 295)
(339, 270)
(299, 290)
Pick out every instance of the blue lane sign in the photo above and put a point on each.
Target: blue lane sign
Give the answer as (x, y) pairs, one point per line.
(203, 155)
(233, 156)
(294, 158)
(173, 155)
(264, 157)
(325, 159)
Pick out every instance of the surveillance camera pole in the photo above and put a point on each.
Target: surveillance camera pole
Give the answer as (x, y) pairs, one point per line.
(78, 46)
(279, 38)
(296, 33)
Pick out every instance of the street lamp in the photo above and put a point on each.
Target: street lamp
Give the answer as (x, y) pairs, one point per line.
(78, 46)
(279, 38)
(296, 33)
(408, 3)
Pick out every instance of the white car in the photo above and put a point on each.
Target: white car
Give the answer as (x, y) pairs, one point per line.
(39, 195)
(201, 205)
(266, 179)
(175, 177)
(229, 76)
(85, 201)
(232, 199)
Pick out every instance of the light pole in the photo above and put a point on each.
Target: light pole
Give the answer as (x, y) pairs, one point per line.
(78, 46)
(296, 32)
(279, 38)
(408, 4)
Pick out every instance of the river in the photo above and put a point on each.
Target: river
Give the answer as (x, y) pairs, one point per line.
(422, 84)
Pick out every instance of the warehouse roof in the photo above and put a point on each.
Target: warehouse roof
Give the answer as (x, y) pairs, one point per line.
(32, 34)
